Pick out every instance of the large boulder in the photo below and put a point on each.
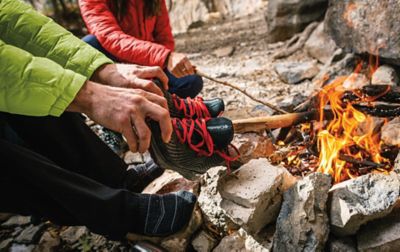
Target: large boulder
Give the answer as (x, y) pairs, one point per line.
(369, 26)
(288, 17)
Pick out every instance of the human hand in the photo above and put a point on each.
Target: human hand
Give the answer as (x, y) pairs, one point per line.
(124, 110)
(131, 76)
(179, 65)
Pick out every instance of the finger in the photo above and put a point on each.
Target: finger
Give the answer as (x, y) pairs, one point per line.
(130, 137)
(148, 86)
(159, 100)
(143, 132)
(160, 115)
(154, 72)
(189, 67)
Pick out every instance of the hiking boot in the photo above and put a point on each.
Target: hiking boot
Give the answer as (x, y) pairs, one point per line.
(195, 146)
(192, 108)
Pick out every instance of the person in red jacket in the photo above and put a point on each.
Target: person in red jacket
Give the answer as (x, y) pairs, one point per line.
(139, 31)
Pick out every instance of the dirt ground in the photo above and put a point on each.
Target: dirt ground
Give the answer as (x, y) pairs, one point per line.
(250, 67)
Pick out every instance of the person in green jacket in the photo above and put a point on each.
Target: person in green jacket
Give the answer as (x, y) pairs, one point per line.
(62, 171)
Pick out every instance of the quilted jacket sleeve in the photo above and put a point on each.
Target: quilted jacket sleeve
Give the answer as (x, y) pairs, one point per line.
(34, 86)
(102, 23)
(163, 32)
(25, 28)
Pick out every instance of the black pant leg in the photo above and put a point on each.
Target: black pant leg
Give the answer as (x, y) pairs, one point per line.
(76, 198)
(72, 145)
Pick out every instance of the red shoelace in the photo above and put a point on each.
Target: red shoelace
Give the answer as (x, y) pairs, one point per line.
(206, 146)
(193, 106)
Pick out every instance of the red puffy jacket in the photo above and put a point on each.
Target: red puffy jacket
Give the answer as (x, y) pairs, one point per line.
(136, 39)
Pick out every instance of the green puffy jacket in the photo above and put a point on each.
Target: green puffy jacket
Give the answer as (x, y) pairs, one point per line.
(42, 65)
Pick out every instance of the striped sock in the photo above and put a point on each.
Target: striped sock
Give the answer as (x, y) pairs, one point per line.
(141, 175)
(161, 215)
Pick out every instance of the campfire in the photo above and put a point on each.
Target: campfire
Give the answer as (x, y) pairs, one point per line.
(343, 138)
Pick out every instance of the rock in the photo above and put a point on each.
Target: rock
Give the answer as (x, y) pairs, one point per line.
(72, 235)
(5, 216)
(203, 242)
(22, 248)
(17, 220)
(31, 234)
(5, 244)
(385, 75)
(252, 195)
(288, 17)
(237, 8)
(290, 102)
(240, 241)
(320, 45)
(210, 202)
(177, 242)
(303, 223)
(171, 181)
(390, 133)
(366, 27)
(358, 201)
(49, 242)
(253, 146)
(355, 81)
(224, 51)
(295, 72)
(133, 158)
(380, 235)
(342, 244)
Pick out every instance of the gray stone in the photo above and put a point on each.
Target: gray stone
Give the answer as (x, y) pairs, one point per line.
(320, 45)
(17, 220)
(133, 158)
(344, 244)
(72, 235)
(253, 146)
(355, 81)
(288, 17)
(224, 51)
(358, 201)
(369, 26)
(303, 223)
(21, 248)
(203, 242)
(5, 244)
(240, 241)
(295, 72)
(31, 234)
(5, 216)
(252, 195)
(385, 75)
(49, 242)
(390, 133)
(380, 235)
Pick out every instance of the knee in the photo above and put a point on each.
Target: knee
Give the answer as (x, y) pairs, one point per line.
(197, 86)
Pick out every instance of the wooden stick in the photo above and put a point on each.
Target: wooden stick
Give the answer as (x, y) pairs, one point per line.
(273, 122)
(352, 160)
(280, 111)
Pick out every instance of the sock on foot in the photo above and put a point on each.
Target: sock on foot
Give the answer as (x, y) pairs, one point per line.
(139, 176)
(161, 215)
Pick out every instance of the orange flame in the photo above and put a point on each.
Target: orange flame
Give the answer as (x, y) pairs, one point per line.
(341, 137)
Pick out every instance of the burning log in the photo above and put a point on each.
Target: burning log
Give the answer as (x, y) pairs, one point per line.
(379, 110)
(383, 93)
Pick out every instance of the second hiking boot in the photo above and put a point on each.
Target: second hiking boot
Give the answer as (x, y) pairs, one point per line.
(195, 146)
(192, 108)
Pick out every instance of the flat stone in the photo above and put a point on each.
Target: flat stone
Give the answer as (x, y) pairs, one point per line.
(240, 241)
(17, 220)
(133, 158)
(358, 201)
(303, 223)
(385, 75)
(390, 133)
(295, 72)
(367, 26)
(224, 51)
(49, 242)
(320, 45)
(5, 244)
(31, 234)
(286, 18)
(21, 248)
(355, 81)
(72, 235)
(203, 242)
(252, 195)
(171, 181)
(342, 244)
(380, 235)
